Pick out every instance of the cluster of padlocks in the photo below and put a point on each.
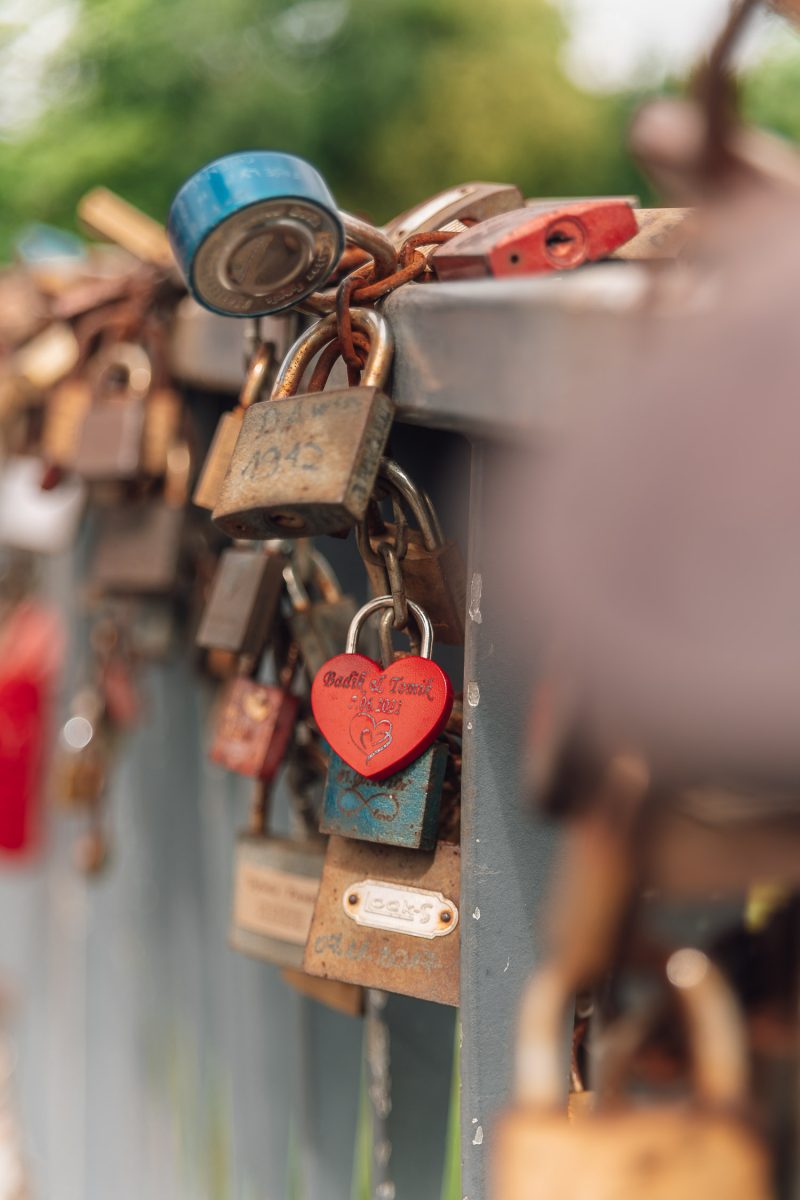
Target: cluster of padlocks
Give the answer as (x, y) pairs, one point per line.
(222, 536)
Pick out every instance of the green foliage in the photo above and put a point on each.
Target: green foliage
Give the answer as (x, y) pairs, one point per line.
(391, 99)
(771, 95)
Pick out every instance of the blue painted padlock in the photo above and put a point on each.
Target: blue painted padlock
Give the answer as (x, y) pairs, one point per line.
(255, 233)
(402, 810)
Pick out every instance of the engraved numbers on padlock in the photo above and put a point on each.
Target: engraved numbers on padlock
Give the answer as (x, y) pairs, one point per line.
(306, 464)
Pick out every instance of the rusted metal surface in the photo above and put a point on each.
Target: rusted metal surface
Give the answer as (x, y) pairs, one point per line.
(252, 727)
(340, 948)
(402, 810)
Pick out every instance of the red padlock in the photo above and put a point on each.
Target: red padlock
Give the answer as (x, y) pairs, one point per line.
(31, 654)
(379, 719)
(536, 239)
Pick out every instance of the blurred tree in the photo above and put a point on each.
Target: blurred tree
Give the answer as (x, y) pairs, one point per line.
(391, 100)
(771, 94)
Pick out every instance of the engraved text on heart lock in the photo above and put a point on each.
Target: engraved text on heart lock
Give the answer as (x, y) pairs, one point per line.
(379, 719)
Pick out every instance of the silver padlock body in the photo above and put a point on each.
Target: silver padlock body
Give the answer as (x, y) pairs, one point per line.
(243, 601)
(305, 465)
(138, 549)
(402, 810)
(44, 522)
(276, 882)
(110, 441)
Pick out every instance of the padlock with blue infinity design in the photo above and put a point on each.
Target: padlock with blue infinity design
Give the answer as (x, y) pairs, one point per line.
(255, 233)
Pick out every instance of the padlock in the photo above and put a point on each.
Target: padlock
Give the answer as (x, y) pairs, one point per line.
(432, 569)
(243, 600)
(223, 443)
(276, 881)
(307, 464)
(388, 918)
(691, 1149)
(253, 722)
(402, 810)
(537, 239)
(44, 522)
(109, 445)
(139, 543)
(163, 415)
(319, 624)
(468, 202)
(48, 357)
(67, 406)
(379, 719)
(255, 232)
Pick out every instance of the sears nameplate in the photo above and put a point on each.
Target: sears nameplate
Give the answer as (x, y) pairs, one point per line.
(398, 909)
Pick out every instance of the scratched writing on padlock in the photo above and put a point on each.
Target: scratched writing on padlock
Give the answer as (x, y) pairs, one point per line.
(385, 958)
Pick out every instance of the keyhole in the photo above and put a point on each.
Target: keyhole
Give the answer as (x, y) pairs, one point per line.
(565, 242)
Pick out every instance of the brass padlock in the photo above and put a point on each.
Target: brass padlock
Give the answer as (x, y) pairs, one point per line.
(162, 427)
(109, 444)
(319, 623)
(223, 443)
(307, 464)
(67, 406)
(140, 543)
(388, 918)
(432, 569)
(243, 600)
(677, 1151)
(276, 881)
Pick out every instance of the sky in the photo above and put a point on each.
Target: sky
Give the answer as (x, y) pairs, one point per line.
(618, 42)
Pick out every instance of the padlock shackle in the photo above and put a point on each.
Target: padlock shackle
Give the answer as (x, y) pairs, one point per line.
(134, 360)
(716, 1029)
(367, 237)
(323, 575)
(314, 339)
(424, 624)
(257, 372)
(416, 500)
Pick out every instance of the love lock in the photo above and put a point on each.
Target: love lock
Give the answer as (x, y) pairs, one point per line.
(379, 719)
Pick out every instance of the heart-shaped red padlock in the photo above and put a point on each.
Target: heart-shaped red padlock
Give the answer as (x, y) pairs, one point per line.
(379, 719)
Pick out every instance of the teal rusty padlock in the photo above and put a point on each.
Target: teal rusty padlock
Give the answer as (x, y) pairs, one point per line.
(402, 810)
